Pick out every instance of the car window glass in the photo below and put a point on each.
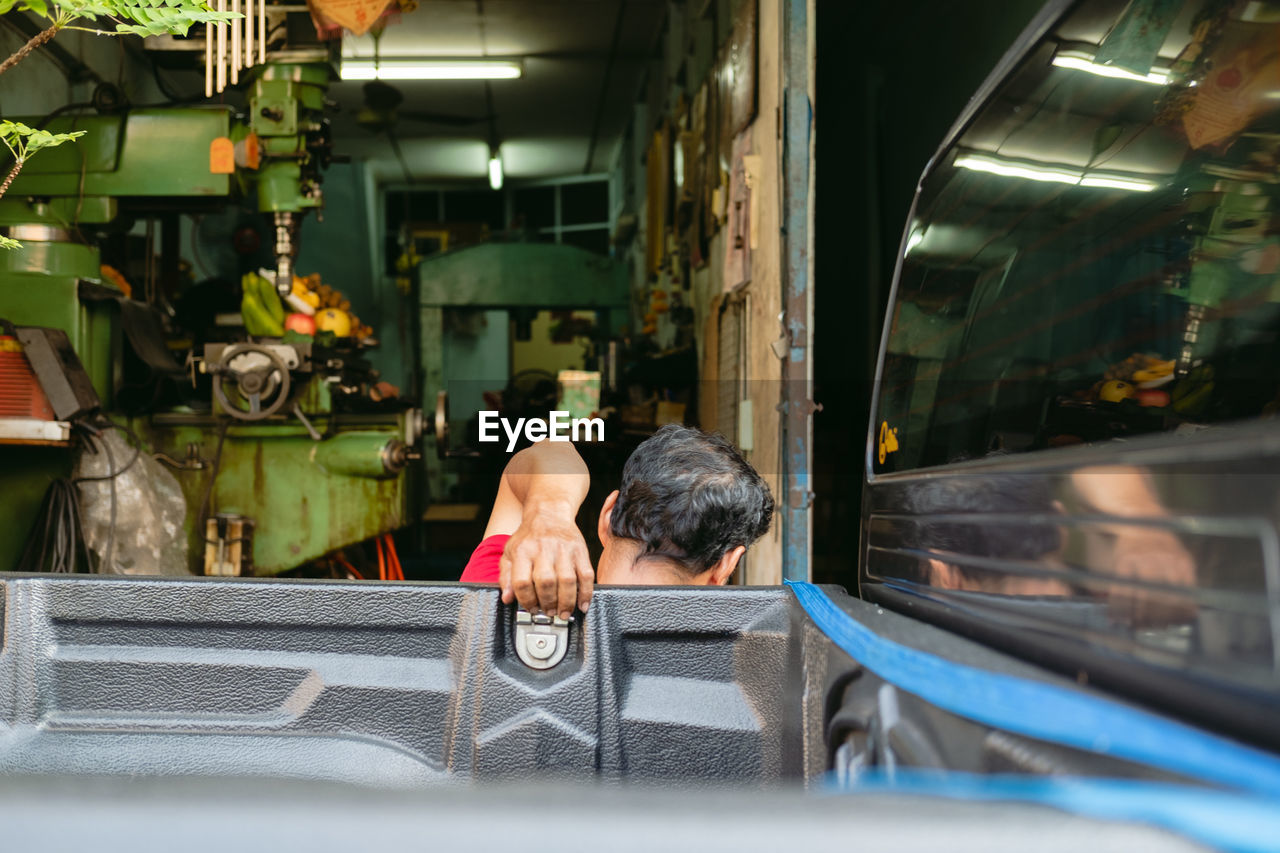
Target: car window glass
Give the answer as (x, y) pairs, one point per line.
(1098, 254)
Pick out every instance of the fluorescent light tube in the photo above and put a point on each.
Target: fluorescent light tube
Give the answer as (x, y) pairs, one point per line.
(495, 172)
(1081, 61)
(1053, 174)
(430, 69)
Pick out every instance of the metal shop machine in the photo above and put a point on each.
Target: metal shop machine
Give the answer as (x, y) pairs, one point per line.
(283, 460)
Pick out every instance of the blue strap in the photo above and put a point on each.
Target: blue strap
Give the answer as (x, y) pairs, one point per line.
(1228, 821)
(1045, 711)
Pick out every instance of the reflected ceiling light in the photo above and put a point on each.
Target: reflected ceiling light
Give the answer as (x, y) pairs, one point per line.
(1082, 61)
(430, 69)
(1053, 174)
(495, 171)
(916, 238)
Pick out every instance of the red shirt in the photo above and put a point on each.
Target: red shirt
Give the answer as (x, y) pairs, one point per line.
(483, 565)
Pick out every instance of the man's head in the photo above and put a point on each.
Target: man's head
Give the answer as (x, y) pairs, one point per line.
(1009, 508)
(688, 507)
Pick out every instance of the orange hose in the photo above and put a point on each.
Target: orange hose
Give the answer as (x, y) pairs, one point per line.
(346, 564)
(397, 571)
(382, 565)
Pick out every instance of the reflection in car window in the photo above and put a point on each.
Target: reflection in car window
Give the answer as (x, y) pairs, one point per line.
(1098, 254)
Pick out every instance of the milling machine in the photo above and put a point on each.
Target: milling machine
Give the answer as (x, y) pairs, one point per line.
(279, 452)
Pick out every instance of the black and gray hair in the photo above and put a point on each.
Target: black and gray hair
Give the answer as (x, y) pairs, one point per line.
(689, 496)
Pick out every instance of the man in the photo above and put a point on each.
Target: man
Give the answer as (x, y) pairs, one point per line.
(688, 507)
(1140, 570)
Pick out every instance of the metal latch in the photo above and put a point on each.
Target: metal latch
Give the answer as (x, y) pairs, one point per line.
(541, 640)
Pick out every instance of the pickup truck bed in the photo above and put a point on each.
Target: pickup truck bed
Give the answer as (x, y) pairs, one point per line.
(253, 695)
(411, 685)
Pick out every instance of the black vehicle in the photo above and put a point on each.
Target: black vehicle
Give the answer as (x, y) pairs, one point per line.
(1074, 447)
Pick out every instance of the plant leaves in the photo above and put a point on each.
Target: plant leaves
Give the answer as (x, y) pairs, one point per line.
(14, 128)
(44, 139)
(9, 243)
(143, 17)
(37, 6)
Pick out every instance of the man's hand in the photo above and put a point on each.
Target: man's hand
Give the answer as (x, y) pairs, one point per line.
(545, 565)
(1156, 556)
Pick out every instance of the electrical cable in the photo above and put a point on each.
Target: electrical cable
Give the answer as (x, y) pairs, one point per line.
(213, 475)
(92, 433)
(404, 165)
(346, 564)
(57, 541)
(111, 475)
(65, 108)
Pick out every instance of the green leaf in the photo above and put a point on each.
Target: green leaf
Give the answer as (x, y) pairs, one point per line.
(6, 5)
(9, 243)
(14, 128)
(44, 139)
(37, 6)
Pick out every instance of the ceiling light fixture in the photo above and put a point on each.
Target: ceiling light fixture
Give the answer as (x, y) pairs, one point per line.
(1079, 60)
(431, 69)
(1053, 174)
(495, 171)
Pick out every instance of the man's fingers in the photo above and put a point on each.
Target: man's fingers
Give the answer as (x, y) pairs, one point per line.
(567, 577)
(522, 580)
(504, 578)
(586, 577)
(545, 584)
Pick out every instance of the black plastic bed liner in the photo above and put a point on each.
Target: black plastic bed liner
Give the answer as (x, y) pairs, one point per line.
(400, 686)
(411, 685)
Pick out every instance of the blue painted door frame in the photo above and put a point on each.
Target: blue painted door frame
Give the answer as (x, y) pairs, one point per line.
(797, 406)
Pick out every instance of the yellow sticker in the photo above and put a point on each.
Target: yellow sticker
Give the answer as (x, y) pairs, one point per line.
(888, 442)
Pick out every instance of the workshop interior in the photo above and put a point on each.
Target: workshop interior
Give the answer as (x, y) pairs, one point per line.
(988, 293)
(275, 264)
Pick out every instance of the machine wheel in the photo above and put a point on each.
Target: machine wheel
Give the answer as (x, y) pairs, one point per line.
(254, 381)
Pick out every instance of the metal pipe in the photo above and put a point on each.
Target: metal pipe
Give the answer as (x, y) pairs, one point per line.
(603, 100)
(208, 60)
(222, 48)
(236, 24)
(262, 31)
(248, 33)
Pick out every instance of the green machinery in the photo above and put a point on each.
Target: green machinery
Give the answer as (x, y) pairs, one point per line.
(282, 466)
(521, 278)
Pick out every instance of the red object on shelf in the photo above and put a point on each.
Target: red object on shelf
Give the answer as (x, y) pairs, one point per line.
(20, 393)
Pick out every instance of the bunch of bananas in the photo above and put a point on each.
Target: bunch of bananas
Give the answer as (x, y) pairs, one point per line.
(332, 311)
(260, 308)
(302, 297)
(1145, 370)
(1192, 395)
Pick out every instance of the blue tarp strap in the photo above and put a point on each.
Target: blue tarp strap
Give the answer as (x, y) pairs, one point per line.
(1045, 711)
(1243, 823)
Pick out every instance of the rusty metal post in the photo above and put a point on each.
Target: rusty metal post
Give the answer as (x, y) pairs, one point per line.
(797, 407)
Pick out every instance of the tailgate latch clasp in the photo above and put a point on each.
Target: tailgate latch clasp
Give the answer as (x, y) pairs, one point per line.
(541, 640)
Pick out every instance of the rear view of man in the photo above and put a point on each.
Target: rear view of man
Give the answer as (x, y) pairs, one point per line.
(687, 508)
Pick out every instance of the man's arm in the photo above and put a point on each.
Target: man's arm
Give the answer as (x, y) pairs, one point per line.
(545, 565)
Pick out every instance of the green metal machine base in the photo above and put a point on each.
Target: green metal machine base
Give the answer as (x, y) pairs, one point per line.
(306, 498)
